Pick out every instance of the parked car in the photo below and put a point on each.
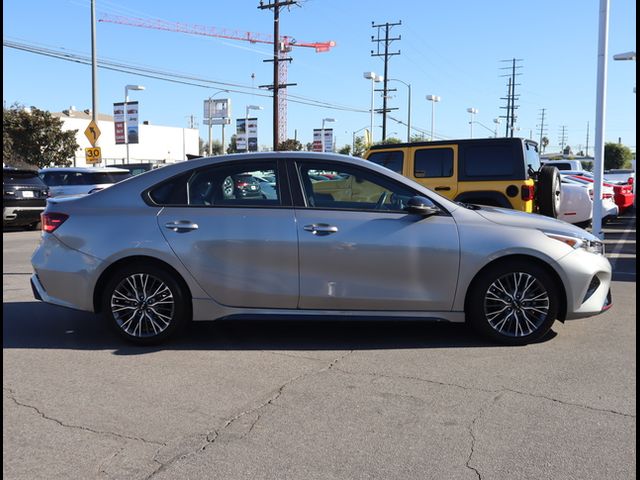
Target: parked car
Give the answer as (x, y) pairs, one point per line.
(24, 196)
(403, 252)
(620, 175)
(576, 206)
(137, 168)
(267, 185)
(623, 195)
(575, 165)
(609, 208)
(501, 172)
(64, 181)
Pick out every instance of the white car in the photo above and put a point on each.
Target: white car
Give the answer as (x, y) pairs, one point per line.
(609, 208)
(66, 181)
(576, 202)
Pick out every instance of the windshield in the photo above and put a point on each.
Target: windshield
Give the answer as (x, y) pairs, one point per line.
(21, 178)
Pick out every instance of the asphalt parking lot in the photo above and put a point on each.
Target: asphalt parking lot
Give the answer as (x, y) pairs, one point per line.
(320, 400)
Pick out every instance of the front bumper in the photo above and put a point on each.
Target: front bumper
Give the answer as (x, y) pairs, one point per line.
(587, 280)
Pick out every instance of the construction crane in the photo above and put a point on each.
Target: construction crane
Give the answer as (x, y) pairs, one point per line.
(286, 44)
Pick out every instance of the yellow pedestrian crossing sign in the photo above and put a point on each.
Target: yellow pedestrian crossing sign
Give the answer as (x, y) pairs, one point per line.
(92, 133)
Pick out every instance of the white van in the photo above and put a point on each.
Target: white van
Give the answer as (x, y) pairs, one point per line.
(575, 165)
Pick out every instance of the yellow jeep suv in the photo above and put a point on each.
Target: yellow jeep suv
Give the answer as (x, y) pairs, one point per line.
(502, 172)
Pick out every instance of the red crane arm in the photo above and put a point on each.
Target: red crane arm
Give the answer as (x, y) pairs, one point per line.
(194, 29)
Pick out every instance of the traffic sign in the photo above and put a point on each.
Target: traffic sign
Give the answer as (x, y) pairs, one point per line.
(93, 155)
(92, 133)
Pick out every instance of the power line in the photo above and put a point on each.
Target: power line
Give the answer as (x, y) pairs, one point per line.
(172, 77)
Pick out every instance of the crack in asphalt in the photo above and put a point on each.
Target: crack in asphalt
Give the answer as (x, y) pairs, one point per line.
(473, 436)
(11, 395)
(212, 436)
(486, 390)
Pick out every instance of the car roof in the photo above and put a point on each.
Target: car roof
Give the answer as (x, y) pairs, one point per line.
(84, 169)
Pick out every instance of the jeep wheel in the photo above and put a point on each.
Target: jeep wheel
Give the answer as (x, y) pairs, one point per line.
(549, 191)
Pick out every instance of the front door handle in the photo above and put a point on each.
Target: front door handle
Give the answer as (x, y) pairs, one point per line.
(181, 226)
(439, 189)
(321, 229)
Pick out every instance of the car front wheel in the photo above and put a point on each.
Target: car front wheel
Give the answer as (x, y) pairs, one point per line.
(145, 304)
(513, 303)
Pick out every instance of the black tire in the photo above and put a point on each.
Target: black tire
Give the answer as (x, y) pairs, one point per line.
(549, 191)
(35, 226)
(145, 304)
(497, 309)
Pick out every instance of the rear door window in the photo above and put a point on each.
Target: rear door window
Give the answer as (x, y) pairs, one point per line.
(433, 163)
(393, 160)
(491, 162)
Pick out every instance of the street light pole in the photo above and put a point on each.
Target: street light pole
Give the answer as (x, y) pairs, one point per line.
(433, 99)
(374, 78)
(126, 99)
(408, 106)
(322, 139)
(472, 112)
(495, 131)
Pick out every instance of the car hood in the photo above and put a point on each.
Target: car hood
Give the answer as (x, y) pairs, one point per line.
(515, 218)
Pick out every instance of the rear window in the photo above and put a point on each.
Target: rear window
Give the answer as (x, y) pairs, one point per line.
(393, 160)
(433, 162)
(21, 178)
(54, 179)
(491, 162)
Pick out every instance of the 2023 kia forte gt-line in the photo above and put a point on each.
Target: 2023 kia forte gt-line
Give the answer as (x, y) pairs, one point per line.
(151, 253)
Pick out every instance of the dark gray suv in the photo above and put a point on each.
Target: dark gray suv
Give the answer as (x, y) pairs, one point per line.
(24, 197)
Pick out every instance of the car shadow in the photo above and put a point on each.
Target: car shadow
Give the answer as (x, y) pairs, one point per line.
(42, 326)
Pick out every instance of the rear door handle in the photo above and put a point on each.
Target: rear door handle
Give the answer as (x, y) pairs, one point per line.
(438, 189)
(181, 226)
(321, 229)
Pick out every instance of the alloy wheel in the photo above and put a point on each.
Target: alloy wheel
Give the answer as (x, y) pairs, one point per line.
(142, 305)
(516, 304)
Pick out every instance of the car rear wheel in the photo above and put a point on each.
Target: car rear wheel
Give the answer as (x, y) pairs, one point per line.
(549, 191)
(513, 303)
(145, 304)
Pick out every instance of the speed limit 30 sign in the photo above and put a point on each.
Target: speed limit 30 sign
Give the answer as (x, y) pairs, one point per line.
(93, 155)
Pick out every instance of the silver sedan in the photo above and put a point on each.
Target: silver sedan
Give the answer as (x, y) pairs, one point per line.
(172, 245)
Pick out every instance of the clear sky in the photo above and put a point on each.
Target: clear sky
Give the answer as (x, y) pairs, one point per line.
(453, 49)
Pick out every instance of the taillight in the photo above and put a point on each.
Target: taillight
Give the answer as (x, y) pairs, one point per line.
(591, 194)
(241, 184)
(51, 221)
(607, 195)
(528, 192)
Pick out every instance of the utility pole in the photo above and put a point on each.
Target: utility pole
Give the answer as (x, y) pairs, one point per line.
(563, 138)
(542, 128)
(511, 96)
(278, 56)
(586, 149)
(387, 55)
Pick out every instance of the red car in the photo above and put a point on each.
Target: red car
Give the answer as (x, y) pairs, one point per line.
(622, 194)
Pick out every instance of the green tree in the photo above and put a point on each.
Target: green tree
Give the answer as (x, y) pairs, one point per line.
(359, 147)
(388, 141)
(35, 137)
(616, 156)
(216, 147)
(545, 142)
(290, 144)
(233, 144)
(346, 150)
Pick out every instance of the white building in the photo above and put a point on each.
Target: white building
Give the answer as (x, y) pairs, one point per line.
(157, 143)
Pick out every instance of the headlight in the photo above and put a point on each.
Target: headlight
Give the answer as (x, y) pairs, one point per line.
(592, 246)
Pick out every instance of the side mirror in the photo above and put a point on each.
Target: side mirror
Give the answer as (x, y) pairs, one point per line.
(421, 206)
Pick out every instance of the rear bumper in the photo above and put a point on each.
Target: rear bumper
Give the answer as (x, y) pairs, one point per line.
(63, 276)
(19, 216)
